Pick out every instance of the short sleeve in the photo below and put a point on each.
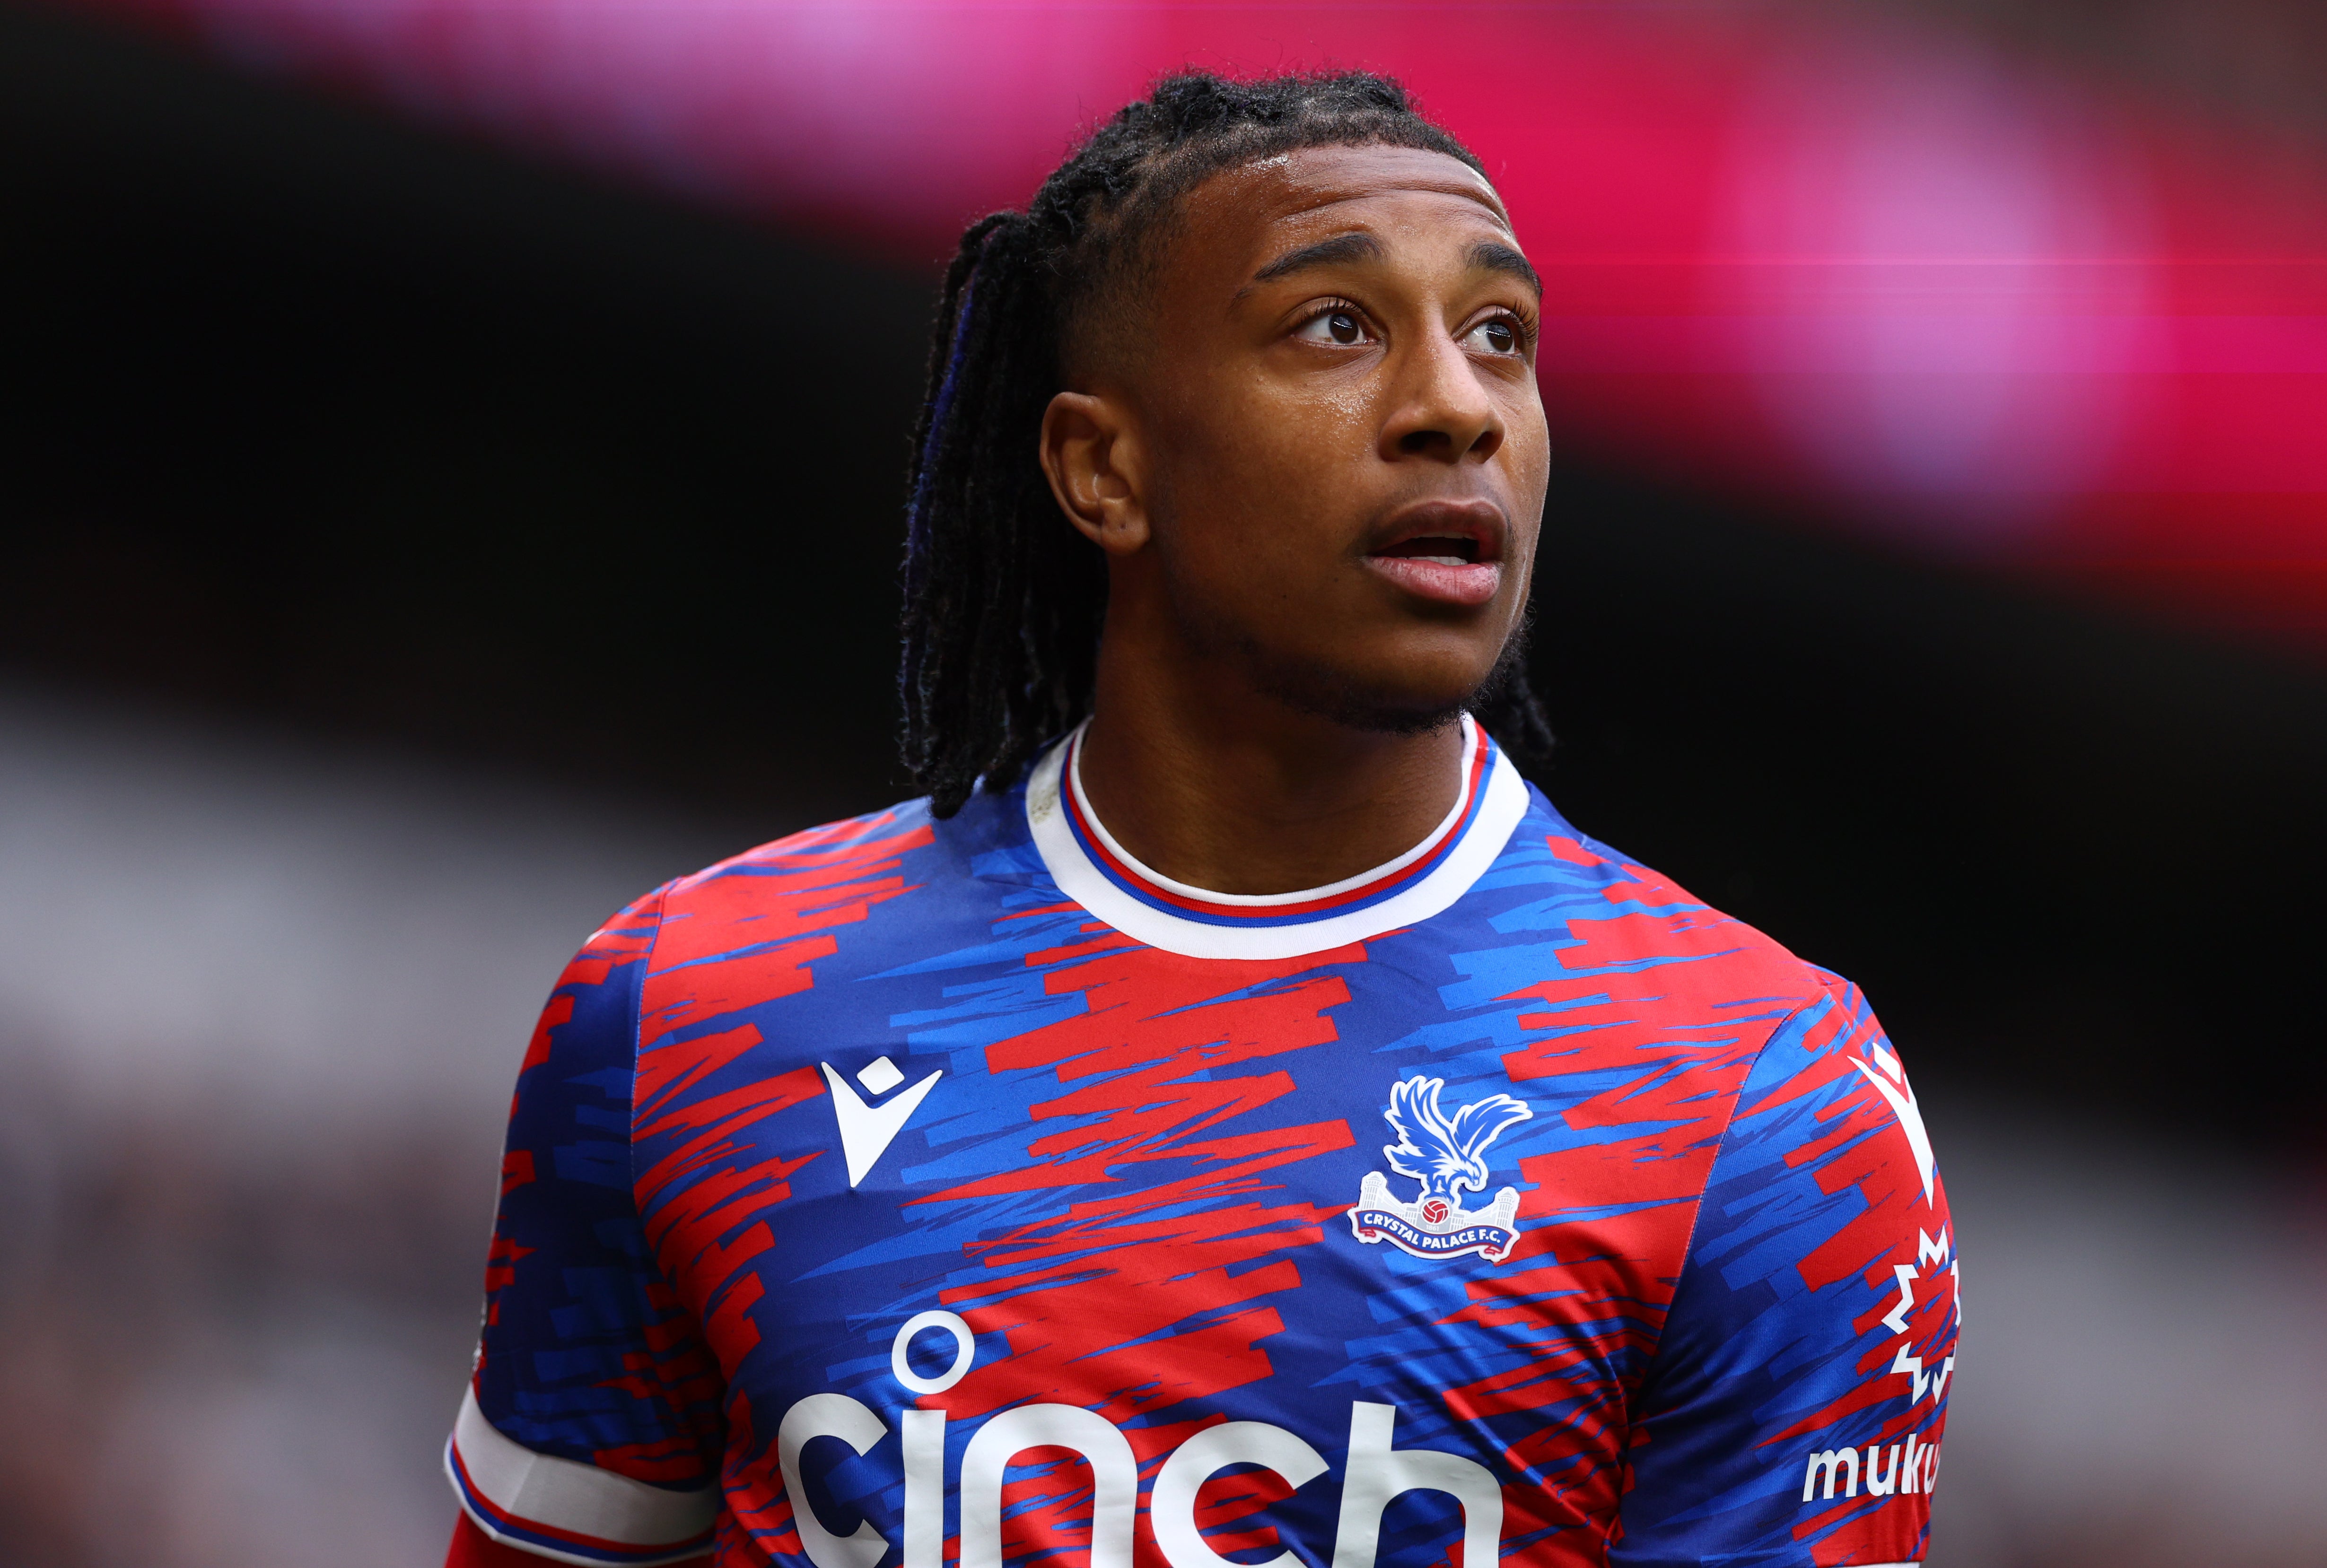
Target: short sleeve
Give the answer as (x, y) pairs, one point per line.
(590, 1431)
(1795, 1410)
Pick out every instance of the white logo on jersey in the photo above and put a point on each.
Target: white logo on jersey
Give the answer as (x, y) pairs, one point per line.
(1892, 1084)
(867, 1131)
(1886, 1475)
(1938, 1256)
(1447, 1155)
(1374, 1475)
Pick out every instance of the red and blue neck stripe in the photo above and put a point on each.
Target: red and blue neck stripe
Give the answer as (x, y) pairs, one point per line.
(1098, 873)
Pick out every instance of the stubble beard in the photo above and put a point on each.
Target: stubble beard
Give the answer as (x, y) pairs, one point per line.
(1317, 692)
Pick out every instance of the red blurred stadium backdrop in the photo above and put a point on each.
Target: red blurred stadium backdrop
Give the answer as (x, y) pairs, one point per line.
(1833, 259)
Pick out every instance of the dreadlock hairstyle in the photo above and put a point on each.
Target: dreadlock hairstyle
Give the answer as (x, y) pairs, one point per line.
(1002, 597)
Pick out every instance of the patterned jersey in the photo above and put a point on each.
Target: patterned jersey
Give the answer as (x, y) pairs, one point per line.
(954, 1194)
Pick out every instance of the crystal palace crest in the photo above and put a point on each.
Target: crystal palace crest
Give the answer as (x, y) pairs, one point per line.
(1448, 1156)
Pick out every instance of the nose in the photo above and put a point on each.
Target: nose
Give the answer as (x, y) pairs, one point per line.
(1442, 410)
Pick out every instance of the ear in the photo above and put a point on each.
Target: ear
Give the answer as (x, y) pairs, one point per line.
(1091, 456)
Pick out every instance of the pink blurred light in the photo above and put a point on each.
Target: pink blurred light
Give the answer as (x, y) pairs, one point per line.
(1944, 301)
(1942, 286)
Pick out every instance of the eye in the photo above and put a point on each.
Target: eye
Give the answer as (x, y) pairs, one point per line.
(1333, 326)
(1496, 335)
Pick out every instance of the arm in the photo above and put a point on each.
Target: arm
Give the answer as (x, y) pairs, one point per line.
(1797, 1407)
(472, 1548)
(591, 1429)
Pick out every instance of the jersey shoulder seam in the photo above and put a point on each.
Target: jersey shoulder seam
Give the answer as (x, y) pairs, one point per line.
(659, 898)
(824, 834)
(1825, 993)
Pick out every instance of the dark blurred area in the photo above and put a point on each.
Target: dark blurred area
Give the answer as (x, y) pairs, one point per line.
(2256, 61)
(328, 420)
(414, 551)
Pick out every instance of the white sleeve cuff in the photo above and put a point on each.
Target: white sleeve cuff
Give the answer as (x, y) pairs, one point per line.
(567, 1511)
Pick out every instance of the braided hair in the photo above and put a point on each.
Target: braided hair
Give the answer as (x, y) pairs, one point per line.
(1003, 598)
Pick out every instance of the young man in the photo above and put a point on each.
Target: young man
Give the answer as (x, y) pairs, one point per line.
(1253, 1127)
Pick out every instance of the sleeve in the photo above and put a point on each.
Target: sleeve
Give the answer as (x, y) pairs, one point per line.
(590, 1431)
(1795, 1411)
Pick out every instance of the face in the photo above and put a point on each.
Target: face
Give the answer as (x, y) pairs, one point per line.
(1325, 462)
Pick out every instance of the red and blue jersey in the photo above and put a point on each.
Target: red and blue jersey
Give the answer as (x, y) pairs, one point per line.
(963, 1194)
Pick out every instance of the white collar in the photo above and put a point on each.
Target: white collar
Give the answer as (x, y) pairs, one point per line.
(1095, 871)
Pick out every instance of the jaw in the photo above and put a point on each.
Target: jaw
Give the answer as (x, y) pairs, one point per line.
(1405, 681)
(1294, 611)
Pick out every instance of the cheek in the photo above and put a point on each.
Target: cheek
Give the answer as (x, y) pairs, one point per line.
(1528, 463)
(1529, 438)
(1259, 479)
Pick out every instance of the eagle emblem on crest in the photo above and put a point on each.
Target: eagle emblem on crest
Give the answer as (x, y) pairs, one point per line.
(1448, 1156)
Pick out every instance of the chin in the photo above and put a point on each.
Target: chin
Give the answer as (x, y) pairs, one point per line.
(1394, 680)
(1382, 701)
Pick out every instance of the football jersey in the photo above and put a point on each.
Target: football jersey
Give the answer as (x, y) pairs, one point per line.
(911, 1193)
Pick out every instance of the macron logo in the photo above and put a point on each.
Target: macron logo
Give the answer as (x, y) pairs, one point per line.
(867, 1131)
(1891, 1083)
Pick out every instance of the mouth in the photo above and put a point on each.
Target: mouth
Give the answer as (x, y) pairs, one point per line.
(1445, 552)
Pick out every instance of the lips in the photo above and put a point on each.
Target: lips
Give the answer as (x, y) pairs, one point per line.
(1445, 552)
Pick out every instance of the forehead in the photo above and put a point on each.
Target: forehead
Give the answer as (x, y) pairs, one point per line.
(1244, 213)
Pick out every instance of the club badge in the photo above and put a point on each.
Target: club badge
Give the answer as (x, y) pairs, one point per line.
(1448, 1156)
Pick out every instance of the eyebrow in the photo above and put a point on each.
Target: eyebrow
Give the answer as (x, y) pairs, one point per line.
(1493, 256)
(1487, 256)
(1355, 246)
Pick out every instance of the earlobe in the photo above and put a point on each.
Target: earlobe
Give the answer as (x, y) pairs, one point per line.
(1091, 458)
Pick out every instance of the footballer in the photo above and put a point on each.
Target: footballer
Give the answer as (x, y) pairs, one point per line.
(1232, 1120)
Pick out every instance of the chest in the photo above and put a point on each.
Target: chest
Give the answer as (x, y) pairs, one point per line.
(1313, 1197)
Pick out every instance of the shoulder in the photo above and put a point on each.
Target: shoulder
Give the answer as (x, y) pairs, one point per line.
(1619, 921)
(900, 840)
(806, 913)
(792, 886)
(784, 886)
(849, 844)
(1646, 1016)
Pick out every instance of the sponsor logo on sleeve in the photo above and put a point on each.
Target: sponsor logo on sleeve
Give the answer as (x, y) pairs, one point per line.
(1909, 1468)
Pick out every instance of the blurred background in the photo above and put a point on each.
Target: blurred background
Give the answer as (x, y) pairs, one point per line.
(455, 484)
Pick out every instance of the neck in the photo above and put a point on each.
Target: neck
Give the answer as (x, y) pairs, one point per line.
(1221, 786)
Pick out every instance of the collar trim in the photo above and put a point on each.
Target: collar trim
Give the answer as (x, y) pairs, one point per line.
(1095, 871)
